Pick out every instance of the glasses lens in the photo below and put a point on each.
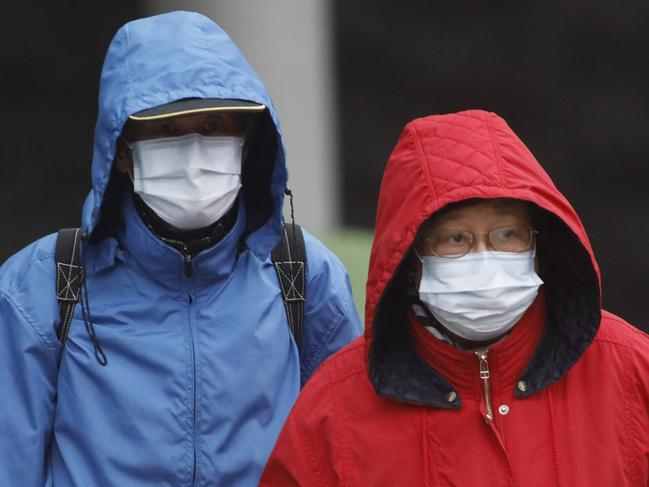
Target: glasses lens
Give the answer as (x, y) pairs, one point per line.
(451, 244)
(511, 239)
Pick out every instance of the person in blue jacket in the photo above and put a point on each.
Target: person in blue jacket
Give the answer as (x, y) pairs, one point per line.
(179, 368)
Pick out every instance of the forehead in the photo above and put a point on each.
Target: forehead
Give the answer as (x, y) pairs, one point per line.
(483, 213)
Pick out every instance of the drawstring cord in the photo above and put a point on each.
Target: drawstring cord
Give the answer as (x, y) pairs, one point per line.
(85, 306)
(85, 312)
(289, 193)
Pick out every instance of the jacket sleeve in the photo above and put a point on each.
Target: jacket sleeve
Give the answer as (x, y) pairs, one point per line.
(28, 384)
(330, 317)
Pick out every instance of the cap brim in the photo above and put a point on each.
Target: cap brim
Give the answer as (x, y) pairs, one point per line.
(196, 105)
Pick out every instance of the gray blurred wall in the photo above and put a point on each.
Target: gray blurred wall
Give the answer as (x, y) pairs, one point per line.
(289, 43)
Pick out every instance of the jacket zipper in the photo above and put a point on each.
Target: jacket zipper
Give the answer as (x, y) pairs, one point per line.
(484, 377)
(191, 329)
(189, 271)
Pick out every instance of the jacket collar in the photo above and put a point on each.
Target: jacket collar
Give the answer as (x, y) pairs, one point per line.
(166, 264)
(507, 358)
(193, 241)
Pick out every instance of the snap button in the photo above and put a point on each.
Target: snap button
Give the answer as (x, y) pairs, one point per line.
(503, 409)
(522, 385)
(452, 396)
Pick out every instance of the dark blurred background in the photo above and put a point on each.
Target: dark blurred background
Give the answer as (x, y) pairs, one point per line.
(571, 79)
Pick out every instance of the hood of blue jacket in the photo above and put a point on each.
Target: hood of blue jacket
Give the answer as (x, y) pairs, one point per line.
(157, 60)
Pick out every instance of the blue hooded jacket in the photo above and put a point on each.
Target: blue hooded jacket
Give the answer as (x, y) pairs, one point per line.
(202, 370)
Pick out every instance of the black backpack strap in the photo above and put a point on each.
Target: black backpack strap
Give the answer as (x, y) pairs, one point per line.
(289, 258)
(69, 277)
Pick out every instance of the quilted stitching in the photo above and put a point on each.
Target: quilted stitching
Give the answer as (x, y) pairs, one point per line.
(468, 155)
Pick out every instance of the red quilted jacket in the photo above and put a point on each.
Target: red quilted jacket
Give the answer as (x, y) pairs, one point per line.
(568, 389)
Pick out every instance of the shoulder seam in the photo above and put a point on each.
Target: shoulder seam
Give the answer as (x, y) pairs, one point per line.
(18, 283)
(613, 342)
(31, 322)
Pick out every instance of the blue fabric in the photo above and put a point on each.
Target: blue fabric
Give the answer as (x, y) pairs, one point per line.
(201, 371)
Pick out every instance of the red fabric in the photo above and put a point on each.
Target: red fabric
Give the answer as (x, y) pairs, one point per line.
(590, 428)
(507, 359)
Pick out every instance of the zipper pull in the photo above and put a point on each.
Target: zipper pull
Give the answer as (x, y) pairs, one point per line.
(484, 377)
(189, 271)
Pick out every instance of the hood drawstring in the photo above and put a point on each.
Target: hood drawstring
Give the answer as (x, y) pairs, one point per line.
(85, 312)
(289, 193)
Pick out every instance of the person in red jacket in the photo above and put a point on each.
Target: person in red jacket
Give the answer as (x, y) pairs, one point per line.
(486, 359)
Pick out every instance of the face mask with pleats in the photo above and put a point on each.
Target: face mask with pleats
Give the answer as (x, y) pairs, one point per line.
(481, 295)
(189, 181)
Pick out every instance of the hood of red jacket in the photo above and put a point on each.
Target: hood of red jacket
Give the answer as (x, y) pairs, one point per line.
(444, 159)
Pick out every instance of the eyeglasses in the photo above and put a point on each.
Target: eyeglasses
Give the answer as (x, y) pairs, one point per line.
(457, 243)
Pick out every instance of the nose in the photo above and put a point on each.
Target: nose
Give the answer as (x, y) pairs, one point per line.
(481, 244)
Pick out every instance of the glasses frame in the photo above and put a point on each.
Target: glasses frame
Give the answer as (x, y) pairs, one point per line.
(475, 236)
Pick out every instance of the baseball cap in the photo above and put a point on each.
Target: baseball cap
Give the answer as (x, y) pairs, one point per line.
(189, 106)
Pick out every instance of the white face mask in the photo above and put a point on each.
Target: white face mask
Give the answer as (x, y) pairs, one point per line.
(481, 295)
(189, 181)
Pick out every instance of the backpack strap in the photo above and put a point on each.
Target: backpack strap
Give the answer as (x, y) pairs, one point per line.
(69, 277)
(289, 258)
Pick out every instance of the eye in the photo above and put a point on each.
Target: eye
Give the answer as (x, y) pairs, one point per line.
(510, 239)
(510, 233)
(451, 243)
(505, 233)
(456, 239)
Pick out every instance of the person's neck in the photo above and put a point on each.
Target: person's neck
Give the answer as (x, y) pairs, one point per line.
(186, 241)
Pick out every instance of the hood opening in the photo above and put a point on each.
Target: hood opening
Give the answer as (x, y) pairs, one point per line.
(256, 176)
(176, 56)
(395, 370)
(110, 220)
(572, 292)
